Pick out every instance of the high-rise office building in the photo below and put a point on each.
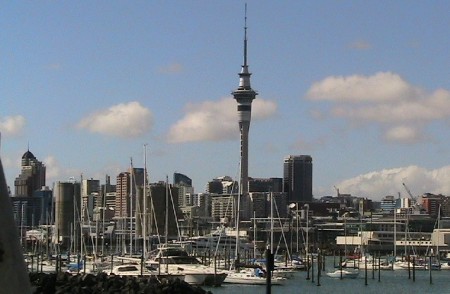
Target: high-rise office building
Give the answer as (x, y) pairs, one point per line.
(127, 184)
(298, 178)
(185, 189)
(122, 195)
(32, 176)
(90, 191)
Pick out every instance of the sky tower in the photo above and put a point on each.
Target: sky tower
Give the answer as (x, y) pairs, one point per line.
(244, 96)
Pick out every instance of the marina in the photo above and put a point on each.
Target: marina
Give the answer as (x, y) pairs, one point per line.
(391, 282)
(330, 278)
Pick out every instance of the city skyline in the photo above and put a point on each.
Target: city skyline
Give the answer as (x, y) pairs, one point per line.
(362, 87)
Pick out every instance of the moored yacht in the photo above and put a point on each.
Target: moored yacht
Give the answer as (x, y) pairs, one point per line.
(134, 269)
(177, 260)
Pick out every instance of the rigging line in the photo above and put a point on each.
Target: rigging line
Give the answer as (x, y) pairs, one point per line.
(174, 212)
(282, 231)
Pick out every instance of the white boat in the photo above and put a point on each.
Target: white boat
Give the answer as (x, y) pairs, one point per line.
(177, 260)
(344, 273)
(445, 265)
(136, 270)
(249, 277)
(220, 240)
(404, 265)
(128, 270)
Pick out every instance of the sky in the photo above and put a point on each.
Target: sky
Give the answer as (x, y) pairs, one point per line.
(361, 86)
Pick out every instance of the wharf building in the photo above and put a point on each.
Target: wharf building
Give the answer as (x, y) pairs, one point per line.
(298, 178)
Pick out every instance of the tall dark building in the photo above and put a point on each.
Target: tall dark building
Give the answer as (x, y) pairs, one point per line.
(67, 212)
(32, 176)
(185, 189)
(265, 185)
(180, 179)
(298, 178)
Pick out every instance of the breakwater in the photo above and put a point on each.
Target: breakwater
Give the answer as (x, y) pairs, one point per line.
(102, 283)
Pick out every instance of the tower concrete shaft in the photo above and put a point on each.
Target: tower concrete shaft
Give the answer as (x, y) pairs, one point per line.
(244, 96)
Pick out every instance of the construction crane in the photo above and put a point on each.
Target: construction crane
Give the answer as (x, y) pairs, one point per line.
(337, 190)
(409, 193)
(414, 203)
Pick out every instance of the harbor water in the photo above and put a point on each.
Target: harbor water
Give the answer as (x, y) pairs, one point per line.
(391, 282)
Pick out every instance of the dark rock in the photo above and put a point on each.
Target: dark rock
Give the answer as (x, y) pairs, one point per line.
(102, 283)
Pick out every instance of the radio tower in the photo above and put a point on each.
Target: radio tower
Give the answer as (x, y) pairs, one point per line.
(244, 96)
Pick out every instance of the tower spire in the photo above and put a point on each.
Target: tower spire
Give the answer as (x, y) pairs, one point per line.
(245, 36)
(244, 75)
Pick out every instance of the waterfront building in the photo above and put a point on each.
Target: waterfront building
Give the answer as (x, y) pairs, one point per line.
(32, 176)
(388, 203)
(298, 178)
(432, 203)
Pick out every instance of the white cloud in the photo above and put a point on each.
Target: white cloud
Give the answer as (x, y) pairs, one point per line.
(383, 86)
(375, 185)
(397, 107)
(406, 134)
(54, 66)
(54, 171)
(173, 68)
(215, 120)
(52, 168)
(127, 120)
(360, 45)
(12, 125)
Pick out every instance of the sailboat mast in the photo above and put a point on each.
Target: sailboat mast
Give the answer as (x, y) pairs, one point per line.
(166, 228)
(254, 234)
(81, 217)
(395, 233)
(271, 222)
(131, 205)
(144, 215)
(238, 207)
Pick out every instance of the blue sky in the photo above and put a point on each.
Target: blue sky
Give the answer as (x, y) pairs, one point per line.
(361, 86)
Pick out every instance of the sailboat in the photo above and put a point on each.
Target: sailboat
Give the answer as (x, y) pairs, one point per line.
(175, 260)
(256, 276)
